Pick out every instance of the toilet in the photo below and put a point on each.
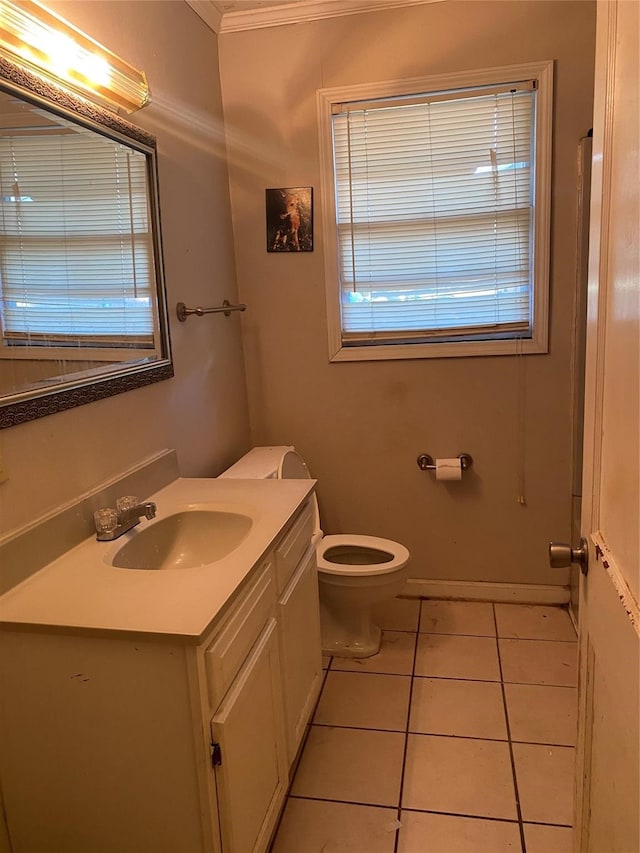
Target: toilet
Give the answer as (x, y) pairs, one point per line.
(354, 572)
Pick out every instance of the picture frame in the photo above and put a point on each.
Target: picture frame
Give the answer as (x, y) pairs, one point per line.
(289, 213)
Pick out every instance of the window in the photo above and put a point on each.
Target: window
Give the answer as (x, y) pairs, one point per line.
(437, 214)
(76, 255)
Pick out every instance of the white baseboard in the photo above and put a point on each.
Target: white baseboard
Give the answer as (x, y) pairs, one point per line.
(518, 593)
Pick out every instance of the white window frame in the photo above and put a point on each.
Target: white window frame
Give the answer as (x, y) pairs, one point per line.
(542, 73)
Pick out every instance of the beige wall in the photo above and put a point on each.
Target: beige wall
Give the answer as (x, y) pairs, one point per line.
(362, 425)
(202, 411)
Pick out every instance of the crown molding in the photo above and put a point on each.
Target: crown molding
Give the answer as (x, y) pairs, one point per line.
(221, 21)
(209, 11)
(307, 10)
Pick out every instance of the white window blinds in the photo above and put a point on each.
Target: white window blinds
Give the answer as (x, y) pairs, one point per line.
(434, 206)
(76, 256)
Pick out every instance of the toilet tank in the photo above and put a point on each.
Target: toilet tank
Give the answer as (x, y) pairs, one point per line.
(260, 463)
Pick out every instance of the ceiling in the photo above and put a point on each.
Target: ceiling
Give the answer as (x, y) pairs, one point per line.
(233, 15)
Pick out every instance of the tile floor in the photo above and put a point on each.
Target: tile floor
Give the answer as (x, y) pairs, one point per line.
(458, 737)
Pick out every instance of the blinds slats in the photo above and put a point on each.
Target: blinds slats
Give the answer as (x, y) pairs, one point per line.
(434, 209)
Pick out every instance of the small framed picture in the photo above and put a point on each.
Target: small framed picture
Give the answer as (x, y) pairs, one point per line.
(290, 219)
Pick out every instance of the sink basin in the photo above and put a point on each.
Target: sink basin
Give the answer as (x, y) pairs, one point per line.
(183, 540)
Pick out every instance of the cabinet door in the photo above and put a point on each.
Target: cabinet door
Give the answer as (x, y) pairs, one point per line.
(252, 778)
(300, 649)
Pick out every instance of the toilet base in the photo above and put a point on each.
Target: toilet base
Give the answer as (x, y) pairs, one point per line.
(348, 633)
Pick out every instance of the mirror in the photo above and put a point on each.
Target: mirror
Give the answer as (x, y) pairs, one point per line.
(82, 300)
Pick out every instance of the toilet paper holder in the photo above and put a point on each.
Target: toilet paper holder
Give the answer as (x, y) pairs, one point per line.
(426, 462)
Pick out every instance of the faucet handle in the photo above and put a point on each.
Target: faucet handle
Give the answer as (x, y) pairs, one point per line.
(106, 520)
(125, 503)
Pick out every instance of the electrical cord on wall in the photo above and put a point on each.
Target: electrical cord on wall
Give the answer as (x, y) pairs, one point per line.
(521, 423)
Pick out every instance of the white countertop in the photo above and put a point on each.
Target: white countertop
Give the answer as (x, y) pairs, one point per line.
(80, 591)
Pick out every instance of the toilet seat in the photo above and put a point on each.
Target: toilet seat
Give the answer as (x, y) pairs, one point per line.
(394, 556)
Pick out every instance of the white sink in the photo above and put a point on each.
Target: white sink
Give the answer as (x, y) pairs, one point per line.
(184, 540)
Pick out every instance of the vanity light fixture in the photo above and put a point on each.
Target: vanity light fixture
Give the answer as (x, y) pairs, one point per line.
(45, 44)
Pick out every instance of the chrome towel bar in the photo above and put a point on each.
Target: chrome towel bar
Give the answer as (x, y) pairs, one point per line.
(226, 308)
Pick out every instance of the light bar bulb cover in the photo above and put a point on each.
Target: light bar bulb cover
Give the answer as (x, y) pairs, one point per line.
(46, 44)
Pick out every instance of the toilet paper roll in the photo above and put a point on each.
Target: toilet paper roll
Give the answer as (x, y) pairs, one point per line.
(449, 469)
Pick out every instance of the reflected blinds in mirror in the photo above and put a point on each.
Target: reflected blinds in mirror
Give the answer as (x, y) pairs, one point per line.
(77, 256)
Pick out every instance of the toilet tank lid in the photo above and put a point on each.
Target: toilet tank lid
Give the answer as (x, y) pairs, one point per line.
(260, 463)
(293, 467)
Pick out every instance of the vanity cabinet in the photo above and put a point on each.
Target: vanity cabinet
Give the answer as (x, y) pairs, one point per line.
(125, 742)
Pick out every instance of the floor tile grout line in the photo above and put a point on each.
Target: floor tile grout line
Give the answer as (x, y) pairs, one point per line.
(538, 640)
(464, 815)
(441, 734)
(482, 636)
(406, 734)
(494, 739)
(344, 802)
(488, 817)
(511, 755)
(366, 672)
(458, 678)
(540, 684)
(496, 681)
(362, 728)
(313, 712)
(495, 636)
(476, 636)
(542, 743)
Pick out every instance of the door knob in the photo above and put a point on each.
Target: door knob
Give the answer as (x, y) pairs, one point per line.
(561, 555)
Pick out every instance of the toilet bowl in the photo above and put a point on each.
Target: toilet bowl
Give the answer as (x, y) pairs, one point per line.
(354, 572)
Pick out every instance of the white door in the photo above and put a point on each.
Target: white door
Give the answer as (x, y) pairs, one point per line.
(607, 789)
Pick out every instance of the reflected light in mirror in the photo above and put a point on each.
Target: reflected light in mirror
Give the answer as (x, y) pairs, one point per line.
(48, 45)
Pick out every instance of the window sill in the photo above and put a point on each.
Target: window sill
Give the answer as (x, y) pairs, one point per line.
(453, 349)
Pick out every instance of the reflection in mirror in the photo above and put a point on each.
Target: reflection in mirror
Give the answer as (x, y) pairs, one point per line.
(82, 306)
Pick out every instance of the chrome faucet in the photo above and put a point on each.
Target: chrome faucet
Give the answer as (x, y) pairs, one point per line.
(112, 523)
